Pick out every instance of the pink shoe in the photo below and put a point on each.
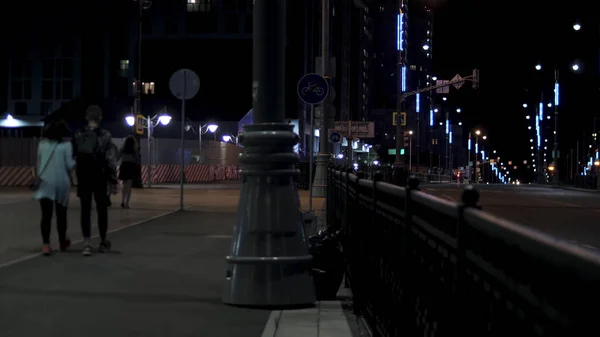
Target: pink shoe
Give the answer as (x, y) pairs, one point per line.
(46, 250)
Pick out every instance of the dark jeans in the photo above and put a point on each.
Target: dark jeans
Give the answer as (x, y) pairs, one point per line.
(100, 195)
(61, 220)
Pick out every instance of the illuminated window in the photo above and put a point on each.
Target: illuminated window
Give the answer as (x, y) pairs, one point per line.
(148, 88)
(199, 5)
(124, 64)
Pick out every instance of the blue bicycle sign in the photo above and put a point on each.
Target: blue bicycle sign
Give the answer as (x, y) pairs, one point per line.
(313, 89)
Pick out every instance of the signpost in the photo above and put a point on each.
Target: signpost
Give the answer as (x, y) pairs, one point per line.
(139, 124)
(312, 89)
(335, 137)
(402, 118)
(184, 85)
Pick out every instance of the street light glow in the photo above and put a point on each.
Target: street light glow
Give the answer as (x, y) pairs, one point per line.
(410, 132)
(576, 27)
(226, 138)
(525, 105)
(434, 78)
(484, 137)
(164, 119)
(477, 132)
(459, 123)
(425, 47)
(538, 67)
(130, 120)
(575, 67)
(212, 128)
(458, 110)
(444, 98)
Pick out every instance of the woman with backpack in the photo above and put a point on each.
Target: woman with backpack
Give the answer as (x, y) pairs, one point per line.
(53, 182)
(128, 168)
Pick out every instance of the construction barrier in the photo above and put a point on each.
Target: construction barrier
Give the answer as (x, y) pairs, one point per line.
(22, 176)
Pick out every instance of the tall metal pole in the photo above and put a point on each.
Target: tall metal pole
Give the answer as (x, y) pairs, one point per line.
(469, 175)
(320, 183)
(556, 151)
(269, 264)
(410, 153)
(149, 160)
(200, 145)
(311, 155)
(476, 179)
(182, 146)
(447, 161)
(399, 88)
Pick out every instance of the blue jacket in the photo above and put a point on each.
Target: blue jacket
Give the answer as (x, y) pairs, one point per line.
(56, 177)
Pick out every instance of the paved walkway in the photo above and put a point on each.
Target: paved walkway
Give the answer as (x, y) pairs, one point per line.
(163, 278)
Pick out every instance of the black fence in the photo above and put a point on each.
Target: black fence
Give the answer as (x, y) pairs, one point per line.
(423, 266)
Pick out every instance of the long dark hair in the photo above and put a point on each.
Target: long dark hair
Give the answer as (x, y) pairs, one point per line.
(56, 131)
(129, 146)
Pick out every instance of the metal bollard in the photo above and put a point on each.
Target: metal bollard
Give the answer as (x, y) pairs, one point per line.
(470, 197)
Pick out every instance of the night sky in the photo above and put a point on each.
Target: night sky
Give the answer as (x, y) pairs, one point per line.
(505, 40)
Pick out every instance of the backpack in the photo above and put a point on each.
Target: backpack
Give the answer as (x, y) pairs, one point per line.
(88, 147)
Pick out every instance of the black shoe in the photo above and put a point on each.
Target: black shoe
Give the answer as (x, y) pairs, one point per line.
(65, 244)
(104, 246)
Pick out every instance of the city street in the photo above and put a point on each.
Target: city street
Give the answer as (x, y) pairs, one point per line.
(569, 214)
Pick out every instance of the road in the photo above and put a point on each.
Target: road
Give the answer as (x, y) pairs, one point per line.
(569, 214)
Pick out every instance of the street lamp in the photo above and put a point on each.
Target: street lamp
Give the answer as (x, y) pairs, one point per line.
(202, 129)
(149, 123)
(576, 27)
(538, 67)
(575, 67)
(458, 110)
(410, 133)
(525, 105)
(230, 138)
(425, 47)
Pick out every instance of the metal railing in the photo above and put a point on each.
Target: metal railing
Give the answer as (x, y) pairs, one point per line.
(423, 266)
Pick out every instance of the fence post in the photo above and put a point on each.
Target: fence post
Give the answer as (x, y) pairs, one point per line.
(376, 178)
(413, 185)
(470, 199)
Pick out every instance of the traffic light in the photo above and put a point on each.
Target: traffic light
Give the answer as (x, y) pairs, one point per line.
(406, 139)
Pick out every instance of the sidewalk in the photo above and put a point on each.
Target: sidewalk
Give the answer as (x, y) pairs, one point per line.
(163, 278)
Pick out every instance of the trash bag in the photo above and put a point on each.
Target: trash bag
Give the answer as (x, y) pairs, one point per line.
(327, 265)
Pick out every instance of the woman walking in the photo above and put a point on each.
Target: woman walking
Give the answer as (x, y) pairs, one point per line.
(53, 182)
(128, 168)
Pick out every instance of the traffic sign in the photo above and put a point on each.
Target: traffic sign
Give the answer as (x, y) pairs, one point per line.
(313, 89)
(184, 84)
(335, 137)
(355, 129)
(402, 118)
(457, 81)
(139, 124)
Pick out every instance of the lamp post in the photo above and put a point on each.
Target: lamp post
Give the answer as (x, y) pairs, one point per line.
(202, 129)
(410, 133)
(149, 123)
(268, 238)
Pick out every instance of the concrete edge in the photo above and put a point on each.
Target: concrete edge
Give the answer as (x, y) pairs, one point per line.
(32, 256)
(272, 324)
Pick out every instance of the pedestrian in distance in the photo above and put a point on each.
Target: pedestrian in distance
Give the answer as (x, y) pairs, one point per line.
(52, 183)
(96, 157)
(128, 168)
